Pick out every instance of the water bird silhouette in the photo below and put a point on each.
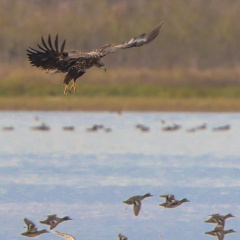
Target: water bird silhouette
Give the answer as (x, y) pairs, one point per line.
(122, 237)
(220, 233)
(53, 220)
(171, 202)
(32, 230)
(219, 220)
(136, 202)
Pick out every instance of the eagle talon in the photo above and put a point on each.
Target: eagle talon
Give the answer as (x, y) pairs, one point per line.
(66, 90)
(74, 87)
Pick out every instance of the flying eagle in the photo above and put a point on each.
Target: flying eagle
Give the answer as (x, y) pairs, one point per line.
(75, 63)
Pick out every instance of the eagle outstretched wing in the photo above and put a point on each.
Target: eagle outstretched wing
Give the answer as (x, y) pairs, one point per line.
(139, 41)
(48, 57)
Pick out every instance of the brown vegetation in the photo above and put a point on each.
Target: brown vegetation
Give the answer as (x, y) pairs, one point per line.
(196, 34)
(118, 104)
(196, 55)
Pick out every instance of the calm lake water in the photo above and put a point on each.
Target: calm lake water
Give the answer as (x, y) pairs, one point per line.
(87, 175)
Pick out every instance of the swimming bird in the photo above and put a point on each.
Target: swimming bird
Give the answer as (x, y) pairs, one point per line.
(220, 233)
(42, 127)
(202, 127)
(95, 128)
(122, 237)
(171, 202)
(65, 235)
(75, 63)
(107, 130)
(191, 130)
(136, 201)
(174, 127)
(222, 128)
(10, 128)
(142, 127)
(53, 220)
(68, 128)
(32, 230)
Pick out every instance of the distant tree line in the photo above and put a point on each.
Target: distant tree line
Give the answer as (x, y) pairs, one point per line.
(196, 34)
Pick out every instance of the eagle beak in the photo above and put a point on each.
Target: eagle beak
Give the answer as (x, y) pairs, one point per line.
(102, 68)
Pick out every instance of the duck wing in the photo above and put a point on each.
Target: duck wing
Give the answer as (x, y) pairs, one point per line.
(50, 217)
(31, 227)
(122, 237)
(136, 207)
(168, 197)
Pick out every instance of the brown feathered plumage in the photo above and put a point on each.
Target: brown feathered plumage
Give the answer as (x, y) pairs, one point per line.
(32, 230)
(75, 63)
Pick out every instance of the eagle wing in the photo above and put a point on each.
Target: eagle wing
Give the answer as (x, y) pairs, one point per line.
(50, 57)
(139, 41)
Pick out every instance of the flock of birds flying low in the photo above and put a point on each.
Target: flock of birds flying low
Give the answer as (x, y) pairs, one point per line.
(52, 221)
(219, 231)
(170, 202)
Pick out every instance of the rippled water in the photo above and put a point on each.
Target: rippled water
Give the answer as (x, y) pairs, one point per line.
(87, 175)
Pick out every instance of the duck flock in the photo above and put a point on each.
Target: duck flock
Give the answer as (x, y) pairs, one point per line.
(141, 127)
(170, 202)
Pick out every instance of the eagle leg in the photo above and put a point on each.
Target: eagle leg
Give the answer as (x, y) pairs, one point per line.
(74, 87)
(66, 90)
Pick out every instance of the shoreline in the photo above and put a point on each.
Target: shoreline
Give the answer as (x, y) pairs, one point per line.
(118, 104)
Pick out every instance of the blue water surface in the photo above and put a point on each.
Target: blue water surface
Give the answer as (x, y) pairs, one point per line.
(87, 175)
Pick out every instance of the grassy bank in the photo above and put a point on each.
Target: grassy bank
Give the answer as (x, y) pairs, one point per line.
(27, 88)
(119, 104)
